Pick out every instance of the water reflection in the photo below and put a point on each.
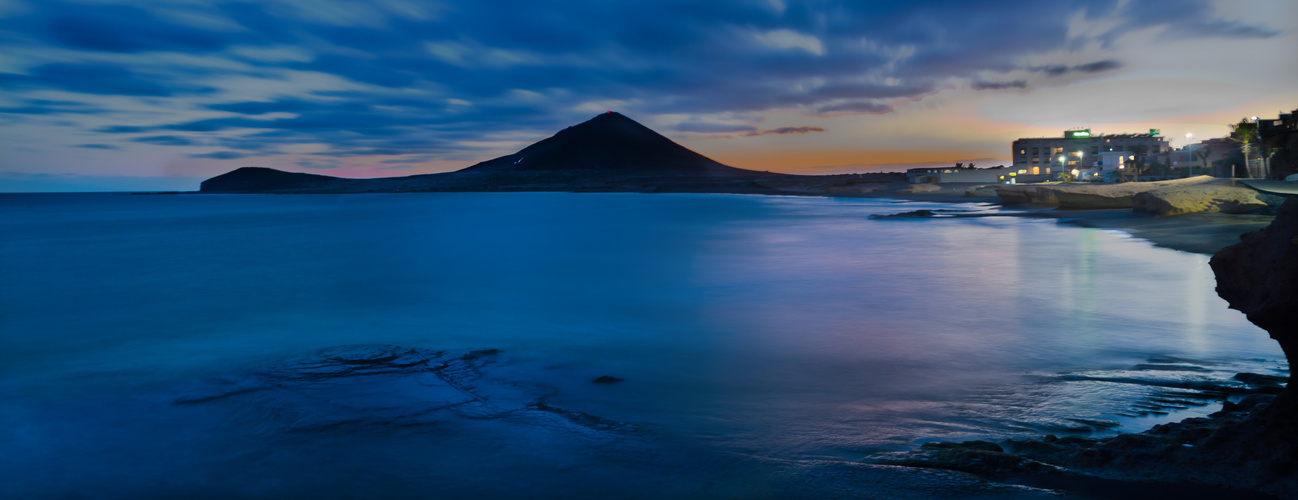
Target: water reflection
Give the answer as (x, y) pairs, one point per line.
(777, 328)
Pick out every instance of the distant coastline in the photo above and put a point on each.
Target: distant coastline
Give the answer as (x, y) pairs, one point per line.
(613, 153)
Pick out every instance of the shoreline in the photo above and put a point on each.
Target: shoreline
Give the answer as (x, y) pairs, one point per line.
(1200, 232)
(1200, 457)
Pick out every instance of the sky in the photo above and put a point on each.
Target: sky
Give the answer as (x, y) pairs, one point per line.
(160, 94)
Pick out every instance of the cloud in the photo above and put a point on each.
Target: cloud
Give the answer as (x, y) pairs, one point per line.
(52, 107)
(119, 28)
(784, 39)
(786, 130)
(715, 128)
(165, 140)
(220, 155)
(1012, 84)
(417, 78)
(100, 79)
(855, 107)
(1098, 66)
(320, 164)
(1056, 70)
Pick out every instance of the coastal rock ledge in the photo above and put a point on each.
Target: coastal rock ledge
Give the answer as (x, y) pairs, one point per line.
(1259, 277)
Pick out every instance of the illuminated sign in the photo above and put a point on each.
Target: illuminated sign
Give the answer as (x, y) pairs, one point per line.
(1154, 131)
(1077, 134)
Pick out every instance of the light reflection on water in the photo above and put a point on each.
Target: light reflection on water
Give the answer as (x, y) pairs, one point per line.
(772, 326)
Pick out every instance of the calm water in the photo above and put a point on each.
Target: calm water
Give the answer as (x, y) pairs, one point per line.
(186, 345)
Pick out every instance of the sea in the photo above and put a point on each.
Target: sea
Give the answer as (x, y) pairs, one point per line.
(572, 345)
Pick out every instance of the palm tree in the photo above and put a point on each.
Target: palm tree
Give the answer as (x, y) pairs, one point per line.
(1245, 133)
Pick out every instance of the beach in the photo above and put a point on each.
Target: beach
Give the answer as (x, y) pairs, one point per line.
(1203, 232)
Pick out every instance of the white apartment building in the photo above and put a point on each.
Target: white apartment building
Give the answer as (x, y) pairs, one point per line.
(1080, 148)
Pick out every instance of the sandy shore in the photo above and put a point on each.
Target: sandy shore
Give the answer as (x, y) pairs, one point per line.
(1205, 232)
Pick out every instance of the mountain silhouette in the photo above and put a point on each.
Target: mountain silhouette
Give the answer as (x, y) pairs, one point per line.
(609, 152)
(610, 142)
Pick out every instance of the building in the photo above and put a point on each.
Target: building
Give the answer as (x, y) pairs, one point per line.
(955, 174)
(1080, 149)
(1201, 158)
(1278, 139)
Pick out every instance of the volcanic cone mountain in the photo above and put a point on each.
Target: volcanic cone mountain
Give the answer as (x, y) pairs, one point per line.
(609, 152)
(607, 142)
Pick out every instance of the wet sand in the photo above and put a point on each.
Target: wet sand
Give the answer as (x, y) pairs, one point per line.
(1204, 233)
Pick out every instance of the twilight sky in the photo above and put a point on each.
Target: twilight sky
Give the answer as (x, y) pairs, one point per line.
(159, 94)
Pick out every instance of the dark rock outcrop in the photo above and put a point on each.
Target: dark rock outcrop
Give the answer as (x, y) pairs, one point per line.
(1235, 453)
(1259, 276)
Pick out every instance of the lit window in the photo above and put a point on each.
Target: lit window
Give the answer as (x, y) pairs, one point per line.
(1036, 170)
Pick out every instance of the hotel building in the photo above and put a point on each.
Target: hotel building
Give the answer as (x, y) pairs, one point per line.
(1079, 149)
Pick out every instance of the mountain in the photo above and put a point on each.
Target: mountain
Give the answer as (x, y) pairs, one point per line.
(609, 152)
(261, 179)
(610, 142)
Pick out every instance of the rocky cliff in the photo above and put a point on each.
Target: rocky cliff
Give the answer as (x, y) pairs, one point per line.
(1259, 276)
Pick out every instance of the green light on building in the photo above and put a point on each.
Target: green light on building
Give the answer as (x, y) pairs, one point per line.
(1077, 134)
(1154, 131)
